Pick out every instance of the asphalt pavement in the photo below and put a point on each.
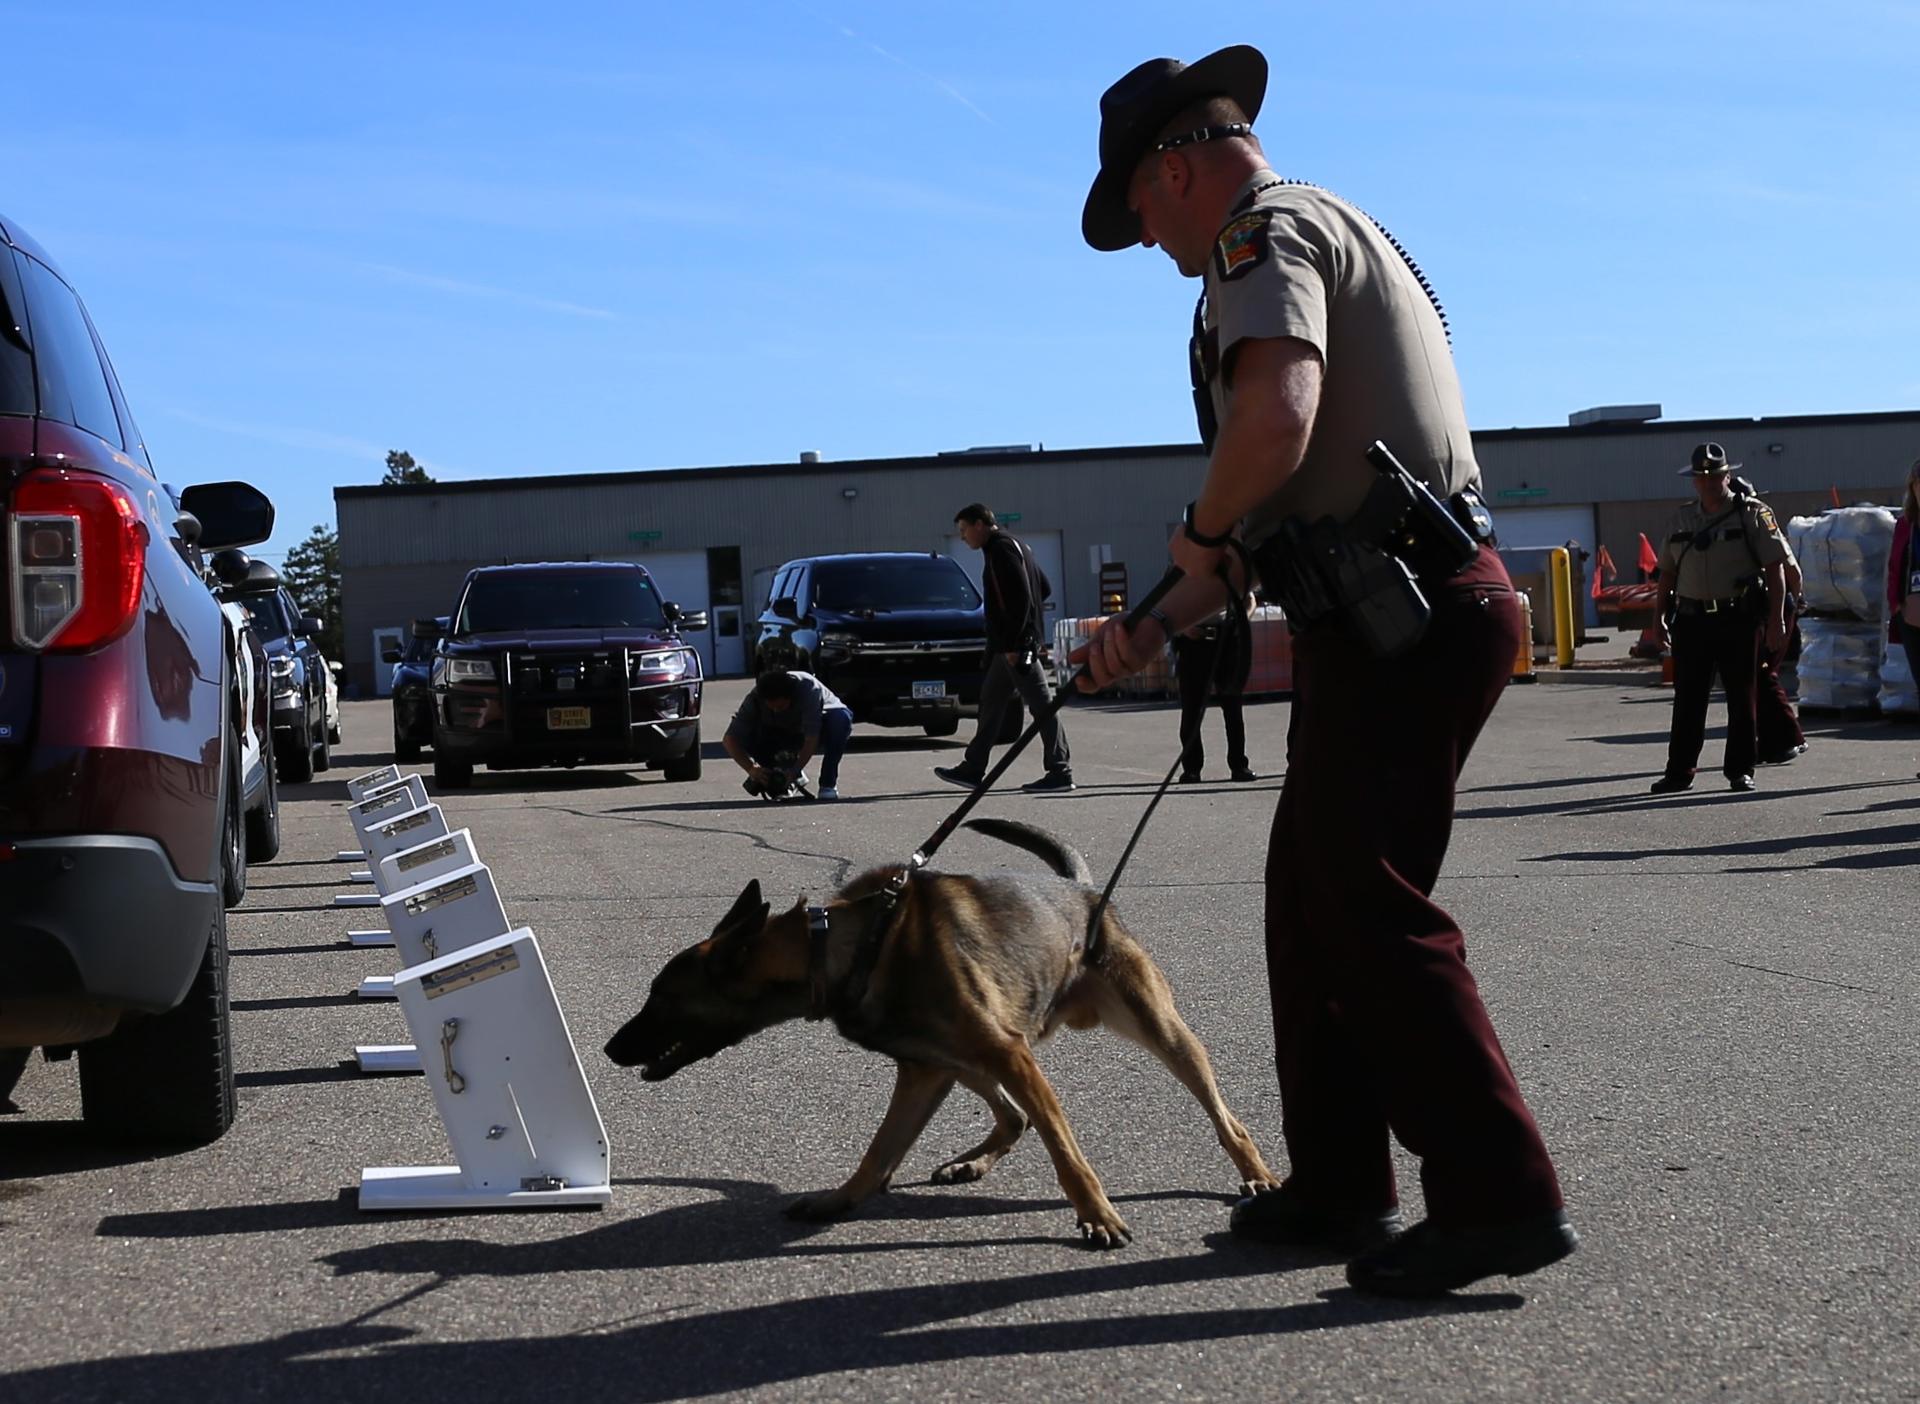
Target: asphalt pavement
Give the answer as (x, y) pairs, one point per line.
(1709, 1000)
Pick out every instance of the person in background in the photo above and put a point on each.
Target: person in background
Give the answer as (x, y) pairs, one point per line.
(1016, 591)
(1723, 589)
(1903, 576)
(793, 715)
(1776, 725)
(1213, 657)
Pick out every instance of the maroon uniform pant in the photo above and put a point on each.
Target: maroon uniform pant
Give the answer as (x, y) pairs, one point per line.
(1378, 1025)
(1776, 725)
(1727, 642)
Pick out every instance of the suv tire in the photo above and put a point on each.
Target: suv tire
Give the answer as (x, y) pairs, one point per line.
(686, 768)
(300, 753)
(323, 749)
(451, 774)
(167, 1078)
(263, 823)
(403, 749)
(233, 846)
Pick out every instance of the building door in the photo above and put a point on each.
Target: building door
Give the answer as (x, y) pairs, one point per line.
(1046, 549)
(728, 607)
(383, 639)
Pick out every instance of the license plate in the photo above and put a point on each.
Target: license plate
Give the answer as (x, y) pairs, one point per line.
(569, 718)
(929, 690)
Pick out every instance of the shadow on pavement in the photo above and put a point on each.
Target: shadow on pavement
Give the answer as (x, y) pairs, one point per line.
(1898, 845)
(650, 1351)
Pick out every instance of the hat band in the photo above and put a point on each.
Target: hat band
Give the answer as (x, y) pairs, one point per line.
(1226, 133)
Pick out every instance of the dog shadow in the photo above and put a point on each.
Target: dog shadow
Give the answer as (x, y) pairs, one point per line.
(900, 1321)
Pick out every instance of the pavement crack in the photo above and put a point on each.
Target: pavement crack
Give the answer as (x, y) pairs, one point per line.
(843, 866)
(1785, 974)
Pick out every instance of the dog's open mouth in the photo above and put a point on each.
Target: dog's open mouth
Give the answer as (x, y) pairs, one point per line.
(666, 1064)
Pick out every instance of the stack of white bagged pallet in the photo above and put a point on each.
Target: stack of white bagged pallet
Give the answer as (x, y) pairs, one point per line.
(1843, 566)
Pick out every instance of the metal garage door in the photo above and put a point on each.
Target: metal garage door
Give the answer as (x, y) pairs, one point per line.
(1529, 528)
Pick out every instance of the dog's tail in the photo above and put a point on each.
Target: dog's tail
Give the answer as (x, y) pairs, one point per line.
(1041, 844)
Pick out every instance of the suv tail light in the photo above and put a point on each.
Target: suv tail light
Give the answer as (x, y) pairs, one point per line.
(78, 555)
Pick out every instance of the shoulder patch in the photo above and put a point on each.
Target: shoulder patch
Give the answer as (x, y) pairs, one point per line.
(1242, 244)
(1767, 521)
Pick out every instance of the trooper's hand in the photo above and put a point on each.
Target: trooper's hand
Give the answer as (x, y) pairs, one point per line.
(1196, 560)
(1114, 653)
(761, 775)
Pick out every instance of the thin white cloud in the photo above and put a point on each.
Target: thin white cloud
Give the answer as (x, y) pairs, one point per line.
(454, 285)
(919, 73)
(364, 451)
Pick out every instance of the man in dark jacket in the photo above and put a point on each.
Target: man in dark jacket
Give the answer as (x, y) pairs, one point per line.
(1016, 592)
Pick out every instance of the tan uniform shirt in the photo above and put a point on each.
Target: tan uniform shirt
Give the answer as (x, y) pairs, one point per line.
(1303, 263)
(1742, 538)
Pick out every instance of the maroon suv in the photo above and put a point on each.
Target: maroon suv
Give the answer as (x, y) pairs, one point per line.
(121, 791)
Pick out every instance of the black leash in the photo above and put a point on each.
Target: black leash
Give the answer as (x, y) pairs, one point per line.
(924, 853)
(1226, 655)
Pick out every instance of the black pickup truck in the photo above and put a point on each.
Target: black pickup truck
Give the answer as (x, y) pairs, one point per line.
(900, 637)
(564, 664)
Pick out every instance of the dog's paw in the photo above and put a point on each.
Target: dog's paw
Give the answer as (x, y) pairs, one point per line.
(1105, 1229)
(815, 1208)
(960, 1172)
(1249, 1188)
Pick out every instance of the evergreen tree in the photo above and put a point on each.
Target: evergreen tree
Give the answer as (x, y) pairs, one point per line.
(312, 574)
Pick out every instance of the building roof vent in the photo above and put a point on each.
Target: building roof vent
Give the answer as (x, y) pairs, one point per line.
(984, 450)
(1613, 414)
(810, 455)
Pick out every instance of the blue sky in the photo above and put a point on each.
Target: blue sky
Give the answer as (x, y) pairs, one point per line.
(581, 237)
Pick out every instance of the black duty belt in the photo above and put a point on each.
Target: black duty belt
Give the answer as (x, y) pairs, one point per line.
(1683, 605)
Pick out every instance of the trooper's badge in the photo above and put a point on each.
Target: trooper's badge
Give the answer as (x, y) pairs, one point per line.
(1242, 244)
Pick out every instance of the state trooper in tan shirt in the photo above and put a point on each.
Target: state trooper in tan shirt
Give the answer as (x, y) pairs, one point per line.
(1316, 337)
(1723, 587)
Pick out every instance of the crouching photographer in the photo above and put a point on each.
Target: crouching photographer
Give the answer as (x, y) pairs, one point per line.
(782, 724)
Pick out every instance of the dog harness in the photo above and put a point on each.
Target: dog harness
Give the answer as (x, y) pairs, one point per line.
(822, 1000)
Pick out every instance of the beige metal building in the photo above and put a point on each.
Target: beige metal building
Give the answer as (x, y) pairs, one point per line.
(712, 536)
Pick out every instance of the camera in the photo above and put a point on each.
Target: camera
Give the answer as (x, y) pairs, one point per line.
(786, 780)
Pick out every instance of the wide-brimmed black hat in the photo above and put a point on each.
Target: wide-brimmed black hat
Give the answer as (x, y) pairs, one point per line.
(1133, 111)
(1707, 458)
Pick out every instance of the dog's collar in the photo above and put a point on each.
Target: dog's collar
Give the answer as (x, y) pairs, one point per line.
(822, 999)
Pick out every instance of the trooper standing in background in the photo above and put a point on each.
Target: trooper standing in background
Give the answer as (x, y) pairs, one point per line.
(1723, 587)
(1214, 658)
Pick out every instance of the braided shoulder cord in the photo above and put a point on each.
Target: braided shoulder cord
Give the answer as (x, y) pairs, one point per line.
(1399, 248)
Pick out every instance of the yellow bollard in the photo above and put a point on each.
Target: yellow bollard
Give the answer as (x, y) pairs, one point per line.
(1563, 634)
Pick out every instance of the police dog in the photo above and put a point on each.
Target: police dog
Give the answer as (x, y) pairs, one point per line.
(972, 972)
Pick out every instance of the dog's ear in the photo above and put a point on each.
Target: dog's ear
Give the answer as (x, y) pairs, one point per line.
(747, 907)
(733, 938)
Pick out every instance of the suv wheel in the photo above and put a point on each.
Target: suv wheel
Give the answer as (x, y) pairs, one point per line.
(263, 822)
(299, 766)
(167, 1077)
(682, 769)
(233, 849)
(322, 747)
(403, 748)
(452, 774)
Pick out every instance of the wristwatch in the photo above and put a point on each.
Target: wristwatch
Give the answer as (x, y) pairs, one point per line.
(1159, 616)
(1212, 543)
